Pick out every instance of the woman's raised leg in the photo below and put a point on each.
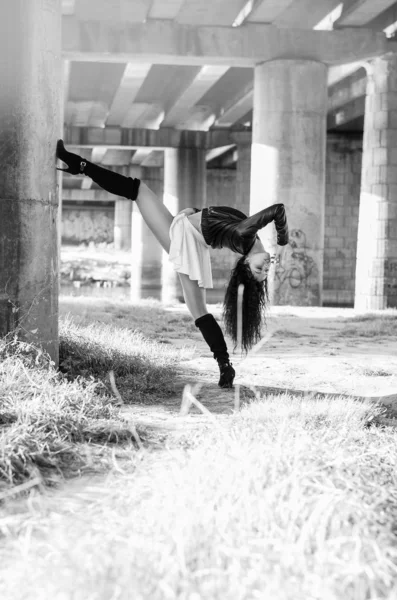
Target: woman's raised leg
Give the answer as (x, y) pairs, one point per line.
(155, 214)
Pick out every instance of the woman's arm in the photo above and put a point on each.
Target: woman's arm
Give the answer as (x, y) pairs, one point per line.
(276, 213)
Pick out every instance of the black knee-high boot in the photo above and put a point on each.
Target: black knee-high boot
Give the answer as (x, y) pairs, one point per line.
(213, 335)
(108, 180)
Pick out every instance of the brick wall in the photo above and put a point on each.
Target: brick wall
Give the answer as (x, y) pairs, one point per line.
(343, 180)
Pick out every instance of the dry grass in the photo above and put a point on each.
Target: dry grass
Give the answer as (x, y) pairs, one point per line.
(51, 422)
(287, 500)
(144, 369)
(148, 317)
(371, 325)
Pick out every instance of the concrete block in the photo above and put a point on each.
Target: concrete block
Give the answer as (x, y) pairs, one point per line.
(330, 210)
(379, 156)
(392, 156)
(388, 137)
(334, 242)
(330, 231)
(352, 222)
(388, 174)
(388, 100)
(381, 119)
(371, 175)
(339, 199)
(380, 190)
(393, 119)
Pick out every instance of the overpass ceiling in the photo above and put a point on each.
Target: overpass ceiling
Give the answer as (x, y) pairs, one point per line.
(150, 95)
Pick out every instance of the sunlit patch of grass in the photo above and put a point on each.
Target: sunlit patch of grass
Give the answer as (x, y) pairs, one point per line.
(368, 372)
(147, 317)
(371, 325)
(286, 333)
(141, 367)
(286, 500)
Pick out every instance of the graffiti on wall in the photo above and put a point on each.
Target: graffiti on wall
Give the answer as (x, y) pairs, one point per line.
(87, 226)
(296, 268)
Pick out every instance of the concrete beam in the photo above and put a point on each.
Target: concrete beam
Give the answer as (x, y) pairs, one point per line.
(204, 80)
(133, 77)
(341, 117)
(357, 13)
(268, 11)
(154, 159)
(305, 14)
(156, 139)
(217, 152)
(144, 114)
(237, 107)
(165, 10)
(110, 11)
(86, 113)
(140, 155)
(86, 183)
(97, 154)
(116, 158)
(217, 12)
(165, 42)
(384, 20)
(347, 90)
(338, 73)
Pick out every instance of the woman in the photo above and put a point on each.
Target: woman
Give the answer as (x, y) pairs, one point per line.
(187, 238)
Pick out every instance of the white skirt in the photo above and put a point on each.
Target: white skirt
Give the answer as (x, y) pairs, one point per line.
(189, 253)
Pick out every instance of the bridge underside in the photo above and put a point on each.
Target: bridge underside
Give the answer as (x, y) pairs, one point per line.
(250, 87)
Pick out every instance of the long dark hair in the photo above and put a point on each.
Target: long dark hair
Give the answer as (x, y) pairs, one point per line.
(255, 300)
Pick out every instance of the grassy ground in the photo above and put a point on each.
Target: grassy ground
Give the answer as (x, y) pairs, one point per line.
(55, 423)
(372, 325)
(288, 499)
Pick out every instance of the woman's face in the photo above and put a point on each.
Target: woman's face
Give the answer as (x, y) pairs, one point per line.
(259, 263)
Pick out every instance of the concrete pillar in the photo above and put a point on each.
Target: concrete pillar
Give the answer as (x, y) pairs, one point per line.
(184, 186)
(376, 266)
(288, 166)
(122, 224)
(243, 174)
(152, 252)
(30, 75)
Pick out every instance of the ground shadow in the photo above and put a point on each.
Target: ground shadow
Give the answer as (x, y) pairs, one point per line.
(218, 400)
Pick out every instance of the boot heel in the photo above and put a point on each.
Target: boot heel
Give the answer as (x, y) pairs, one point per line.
(227, 375)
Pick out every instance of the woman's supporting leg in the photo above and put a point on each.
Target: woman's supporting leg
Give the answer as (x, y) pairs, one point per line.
(210, 330)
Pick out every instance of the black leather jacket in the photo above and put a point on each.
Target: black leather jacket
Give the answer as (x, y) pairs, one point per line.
(227, 227)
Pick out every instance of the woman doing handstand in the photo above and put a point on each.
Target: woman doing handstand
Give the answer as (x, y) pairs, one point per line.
(187, 238)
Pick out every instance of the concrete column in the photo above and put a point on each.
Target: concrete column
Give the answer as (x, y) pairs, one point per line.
(243, 175)
(184, 186)
(152, 252)
(288, 166)
(122, 224)
(30, 75)
(376, 266)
